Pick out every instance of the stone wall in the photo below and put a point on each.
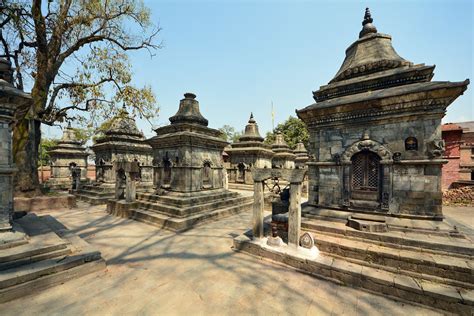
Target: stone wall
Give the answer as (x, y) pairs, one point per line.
(413, 183)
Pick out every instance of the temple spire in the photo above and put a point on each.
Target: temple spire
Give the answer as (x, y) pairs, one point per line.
(368, 27)
(251, 119)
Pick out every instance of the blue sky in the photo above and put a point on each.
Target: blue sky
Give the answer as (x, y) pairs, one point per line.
(240, 56)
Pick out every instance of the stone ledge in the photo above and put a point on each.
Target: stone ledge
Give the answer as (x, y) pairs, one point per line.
(385, 283)
(44, 202)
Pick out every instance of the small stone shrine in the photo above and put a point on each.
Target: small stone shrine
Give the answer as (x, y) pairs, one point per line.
(249, 152)
(374, 209)
(284, 156)
(375, 132)
(301, 156)
(36, 252)
(122, 142)
(189, 175)
(69, 153)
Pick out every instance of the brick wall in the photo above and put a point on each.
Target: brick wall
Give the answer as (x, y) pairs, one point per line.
(450, 171)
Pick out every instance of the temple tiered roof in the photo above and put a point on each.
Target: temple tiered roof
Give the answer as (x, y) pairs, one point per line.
(69, 144)
(372, 70)
(251, 142)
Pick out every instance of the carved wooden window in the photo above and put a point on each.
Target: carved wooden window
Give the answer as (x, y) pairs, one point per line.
(166, 172)
(365, 171)
(411, 143)
(206, 173)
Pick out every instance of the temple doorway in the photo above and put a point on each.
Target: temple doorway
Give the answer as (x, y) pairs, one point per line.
(366, 175)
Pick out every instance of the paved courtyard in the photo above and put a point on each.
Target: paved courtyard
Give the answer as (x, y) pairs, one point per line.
(152, 271)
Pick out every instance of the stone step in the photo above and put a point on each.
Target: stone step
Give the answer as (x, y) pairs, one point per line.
(46, 281)
(92, 199)
(180, 224)
(239, 186)
(395, 285)
(182, 201)
(166, 209)
(404, 240)
(455, 271)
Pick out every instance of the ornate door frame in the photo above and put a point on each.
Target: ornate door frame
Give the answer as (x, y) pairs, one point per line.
(386, 162)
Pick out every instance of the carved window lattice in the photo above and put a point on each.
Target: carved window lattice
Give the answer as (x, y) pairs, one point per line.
(365, 171)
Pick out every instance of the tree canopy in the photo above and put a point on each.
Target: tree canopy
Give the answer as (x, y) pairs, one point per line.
(294, 131)
(73, 56)
(230, 134)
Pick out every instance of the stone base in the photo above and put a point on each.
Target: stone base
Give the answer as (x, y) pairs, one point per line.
(100, 193)
(368, 223)
(181, 211)
(49, 255)
(424, 275)
(44, 202)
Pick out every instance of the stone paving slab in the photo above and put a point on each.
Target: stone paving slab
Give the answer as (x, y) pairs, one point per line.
(152, 271)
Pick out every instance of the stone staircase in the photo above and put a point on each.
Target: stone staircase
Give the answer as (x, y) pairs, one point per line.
(179, 212)
(48, 254)
(434, 269)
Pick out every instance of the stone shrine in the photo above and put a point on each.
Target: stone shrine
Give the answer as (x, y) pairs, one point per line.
(122, 142)
(189, 175)
(284, 156)
(301, 156)
(36, 252)
(67, 154)
(375, 133)
(374, 210)
(248, 152)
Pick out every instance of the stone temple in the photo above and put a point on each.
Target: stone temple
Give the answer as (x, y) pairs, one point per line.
(374, 206)
(122, 142)
(189, 175)
(375, 133)
(284, 156)
(249, 152)
(68, 152)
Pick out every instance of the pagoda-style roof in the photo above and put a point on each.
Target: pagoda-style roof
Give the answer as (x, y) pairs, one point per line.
(281, 148)
(188, 126)
(251, 142)
(301, 153)
(188, 111)
(372, 70)
(68, 145)
(123, 133)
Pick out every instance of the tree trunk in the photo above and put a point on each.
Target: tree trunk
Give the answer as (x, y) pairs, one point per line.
(26, 140)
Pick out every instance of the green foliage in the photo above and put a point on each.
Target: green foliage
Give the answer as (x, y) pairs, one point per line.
(45, 146)
(294, 131)
(230, 134)
(83, 134)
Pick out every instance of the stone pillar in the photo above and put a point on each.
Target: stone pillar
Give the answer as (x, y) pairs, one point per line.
(130, 188)
(258, 201)
(10, 99)
(294, 215)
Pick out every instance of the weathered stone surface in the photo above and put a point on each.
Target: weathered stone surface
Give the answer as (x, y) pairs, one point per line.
(378, 122)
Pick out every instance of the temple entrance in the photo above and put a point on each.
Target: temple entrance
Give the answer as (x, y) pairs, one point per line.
(366, 175)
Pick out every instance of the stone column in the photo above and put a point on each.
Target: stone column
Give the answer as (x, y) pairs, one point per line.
(258, 209)
(294, 215)
(130, 188)
(10, 99)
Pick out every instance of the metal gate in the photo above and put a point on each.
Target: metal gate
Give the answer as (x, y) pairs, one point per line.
(365, 182)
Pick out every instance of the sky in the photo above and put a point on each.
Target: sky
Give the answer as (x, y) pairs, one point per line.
(240, 57)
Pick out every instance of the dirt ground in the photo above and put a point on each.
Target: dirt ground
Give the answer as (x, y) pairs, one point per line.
(156, 272)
